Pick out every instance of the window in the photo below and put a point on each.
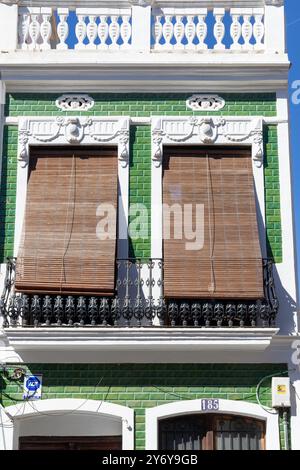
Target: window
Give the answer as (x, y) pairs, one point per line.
(60, 251)
(211, 432)
(228, 264)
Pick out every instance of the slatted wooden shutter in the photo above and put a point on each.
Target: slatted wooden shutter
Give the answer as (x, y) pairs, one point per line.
(230, 263)
(60, 251)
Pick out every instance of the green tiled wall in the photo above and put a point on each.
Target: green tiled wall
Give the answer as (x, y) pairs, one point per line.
(140, 188)
(140, 167)
(272, 194)
(141, 104)
(8, 191)
(140, 386)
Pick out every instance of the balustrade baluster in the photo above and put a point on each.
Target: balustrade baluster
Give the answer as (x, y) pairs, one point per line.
(91, 32)
(114, 32)
(103, 32)
(125, 32)
(168, 30)
(157, 32)
(179, 32)
(34, 28)
(62, 28)
(247, 29)
(80, 31)
(201, 29)
(23, 28)
(190, 32)
(258, 28)
(236, 29)
(219, 28)
(46, 28)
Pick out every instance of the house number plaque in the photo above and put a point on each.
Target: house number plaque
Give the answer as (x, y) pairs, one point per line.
(209, 405)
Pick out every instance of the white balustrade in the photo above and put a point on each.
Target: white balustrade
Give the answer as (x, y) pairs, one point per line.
(35, 28)
(207, 30)
(62, 28)
(103, 28)
(94, 28)
(173, 29)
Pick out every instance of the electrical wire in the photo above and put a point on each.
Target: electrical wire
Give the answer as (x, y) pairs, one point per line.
(248, 397)
(54, 414)
(31, 403)
(167, 392)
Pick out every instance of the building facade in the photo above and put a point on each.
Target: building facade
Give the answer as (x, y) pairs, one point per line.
(111, 113)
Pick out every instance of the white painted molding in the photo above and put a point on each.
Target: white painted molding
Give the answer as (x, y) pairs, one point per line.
(241, 408)
(199, 339)
(72, 102)
(203, 102)
(11, 415)
(58, 71)
(208, 131)
(100, 131)
(73, 130)
(247, 131)
(141, 120)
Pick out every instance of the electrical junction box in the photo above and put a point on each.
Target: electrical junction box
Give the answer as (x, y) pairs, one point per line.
(281, 392)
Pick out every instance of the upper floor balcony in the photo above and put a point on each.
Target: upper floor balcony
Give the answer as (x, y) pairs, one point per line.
(138, 301)
(160, 34)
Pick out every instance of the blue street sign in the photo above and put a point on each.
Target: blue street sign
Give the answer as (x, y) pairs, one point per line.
(32, 387)
(33, 383)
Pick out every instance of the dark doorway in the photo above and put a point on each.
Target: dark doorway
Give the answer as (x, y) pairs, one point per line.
(211, 432)
(70, 443)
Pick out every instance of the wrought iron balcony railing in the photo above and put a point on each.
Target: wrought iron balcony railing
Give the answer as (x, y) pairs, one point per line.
(139, 302)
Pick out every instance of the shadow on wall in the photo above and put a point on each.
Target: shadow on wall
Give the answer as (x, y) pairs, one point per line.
(286, 317)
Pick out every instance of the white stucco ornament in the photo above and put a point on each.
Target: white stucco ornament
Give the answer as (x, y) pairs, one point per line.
(74, 130)
(71, 102)
(208, 131)
(205, 102)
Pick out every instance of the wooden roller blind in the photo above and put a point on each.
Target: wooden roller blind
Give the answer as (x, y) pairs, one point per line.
(60, 251)
(229, 265)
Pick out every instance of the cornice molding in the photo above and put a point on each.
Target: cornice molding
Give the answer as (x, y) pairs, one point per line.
(252, 339)
(154, 72)
(159, 3)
